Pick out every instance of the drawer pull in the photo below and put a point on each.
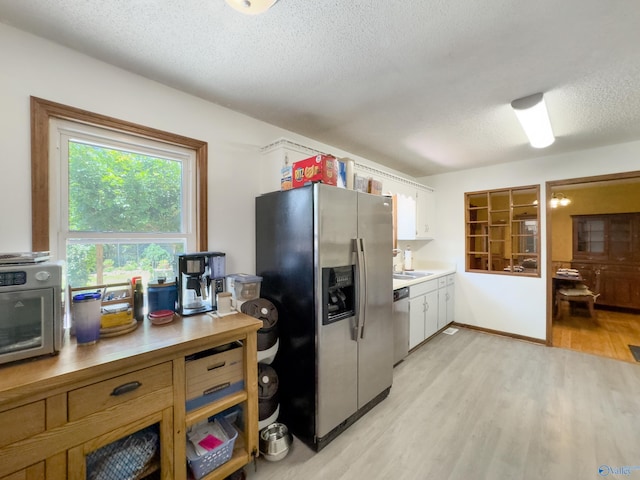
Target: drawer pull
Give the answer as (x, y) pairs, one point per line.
(217, 388)
(126, 388)
(215, 365)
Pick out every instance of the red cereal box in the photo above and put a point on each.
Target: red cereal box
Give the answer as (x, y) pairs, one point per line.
(321, 168)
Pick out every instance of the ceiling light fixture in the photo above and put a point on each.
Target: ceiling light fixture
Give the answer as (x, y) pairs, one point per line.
(558, 200)
(251, 7)
(534, 118)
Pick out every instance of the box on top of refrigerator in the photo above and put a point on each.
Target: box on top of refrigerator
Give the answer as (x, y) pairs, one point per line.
(321, 168)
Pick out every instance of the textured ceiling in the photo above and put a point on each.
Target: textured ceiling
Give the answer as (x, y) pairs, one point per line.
(423, 86)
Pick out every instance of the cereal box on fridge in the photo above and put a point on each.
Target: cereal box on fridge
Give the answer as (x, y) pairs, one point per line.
(321, 168)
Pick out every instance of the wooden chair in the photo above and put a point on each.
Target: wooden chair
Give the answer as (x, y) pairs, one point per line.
(580, 294)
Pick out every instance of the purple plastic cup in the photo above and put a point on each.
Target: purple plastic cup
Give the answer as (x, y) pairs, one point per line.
(86, 314)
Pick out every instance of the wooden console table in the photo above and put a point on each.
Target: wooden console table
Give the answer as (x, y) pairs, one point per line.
(56, 410)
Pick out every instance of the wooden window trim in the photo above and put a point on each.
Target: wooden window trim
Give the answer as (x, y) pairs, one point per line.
(468, 221)
(42, 111)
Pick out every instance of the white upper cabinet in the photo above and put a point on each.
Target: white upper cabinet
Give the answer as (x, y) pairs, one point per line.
(425, 214)
(416, 215)
(406, 211)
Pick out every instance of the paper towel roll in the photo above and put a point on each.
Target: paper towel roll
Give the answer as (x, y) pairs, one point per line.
(350, 164)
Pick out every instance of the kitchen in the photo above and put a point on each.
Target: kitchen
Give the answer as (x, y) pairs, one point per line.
(513, 305)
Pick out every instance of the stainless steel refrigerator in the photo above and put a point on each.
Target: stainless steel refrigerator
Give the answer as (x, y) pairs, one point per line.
(325, 255)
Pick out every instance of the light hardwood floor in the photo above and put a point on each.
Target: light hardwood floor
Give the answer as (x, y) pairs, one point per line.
(479, 406)
(608, 334)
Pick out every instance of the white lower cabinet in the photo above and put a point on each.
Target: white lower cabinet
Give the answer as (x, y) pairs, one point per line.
(446, 293)
(451, 293)
(430, 308)
(423, 311)
(442, 300)
(416, 321)
(430, 313)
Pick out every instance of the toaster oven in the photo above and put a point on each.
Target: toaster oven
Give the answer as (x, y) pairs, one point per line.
(31, 317)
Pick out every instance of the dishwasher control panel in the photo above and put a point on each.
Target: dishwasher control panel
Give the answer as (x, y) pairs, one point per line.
(400, 293)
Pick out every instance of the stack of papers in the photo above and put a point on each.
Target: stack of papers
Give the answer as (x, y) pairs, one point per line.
(16, 258)
(567, 272)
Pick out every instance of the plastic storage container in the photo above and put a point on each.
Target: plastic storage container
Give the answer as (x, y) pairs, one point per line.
(205, 384)
(160, 317)
(204, 464)
(243, 287)
(162, 296)
(264, 310)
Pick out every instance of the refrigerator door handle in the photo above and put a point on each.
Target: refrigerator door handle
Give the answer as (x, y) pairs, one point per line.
(362, 281)
(358, 288)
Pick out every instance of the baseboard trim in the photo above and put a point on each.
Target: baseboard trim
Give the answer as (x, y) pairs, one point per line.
(501, 333)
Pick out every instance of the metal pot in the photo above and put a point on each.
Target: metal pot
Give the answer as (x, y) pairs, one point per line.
(275, 441)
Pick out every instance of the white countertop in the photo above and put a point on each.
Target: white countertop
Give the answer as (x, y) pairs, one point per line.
(435, 273)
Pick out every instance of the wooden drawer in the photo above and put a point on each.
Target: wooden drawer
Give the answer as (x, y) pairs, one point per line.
(442, 282)
(423, 287)
(22, 422)
(451, 279)
(213, 372)
(99, 396)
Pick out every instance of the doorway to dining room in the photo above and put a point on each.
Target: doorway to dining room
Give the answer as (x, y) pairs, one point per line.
(593, 245)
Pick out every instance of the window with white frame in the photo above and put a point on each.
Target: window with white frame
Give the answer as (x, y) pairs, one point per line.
(122, 205)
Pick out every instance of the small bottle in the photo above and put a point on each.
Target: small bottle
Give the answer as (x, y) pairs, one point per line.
(138, 302)
(408, 259)
(286, 179)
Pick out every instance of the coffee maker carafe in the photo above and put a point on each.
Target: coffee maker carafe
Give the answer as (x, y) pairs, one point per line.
(200, 278)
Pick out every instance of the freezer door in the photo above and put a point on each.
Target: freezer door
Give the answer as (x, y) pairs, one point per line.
(337, 349)
(337, 376)
(375, 347)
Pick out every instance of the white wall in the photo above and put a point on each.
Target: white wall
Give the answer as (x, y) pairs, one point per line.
(501, 302)
(31, 66)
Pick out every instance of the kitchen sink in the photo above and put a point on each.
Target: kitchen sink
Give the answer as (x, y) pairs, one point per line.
(410, 275)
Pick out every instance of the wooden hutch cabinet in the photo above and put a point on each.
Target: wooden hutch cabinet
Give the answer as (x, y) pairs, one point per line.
(606, 251)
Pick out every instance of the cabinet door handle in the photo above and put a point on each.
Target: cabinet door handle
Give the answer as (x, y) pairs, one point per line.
(426, 306)
(126, 388)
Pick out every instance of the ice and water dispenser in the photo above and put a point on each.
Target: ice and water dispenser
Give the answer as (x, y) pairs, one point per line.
(338, 292)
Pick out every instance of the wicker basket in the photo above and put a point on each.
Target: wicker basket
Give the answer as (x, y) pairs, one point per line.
(202, 465)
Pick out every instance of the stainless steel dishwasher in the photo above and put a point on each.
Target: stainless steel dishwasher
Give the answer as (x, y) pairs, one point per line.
(400, 324)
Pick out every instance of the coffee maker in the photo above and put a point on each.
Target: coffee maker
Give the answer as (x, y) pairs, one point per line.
(200, 279)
